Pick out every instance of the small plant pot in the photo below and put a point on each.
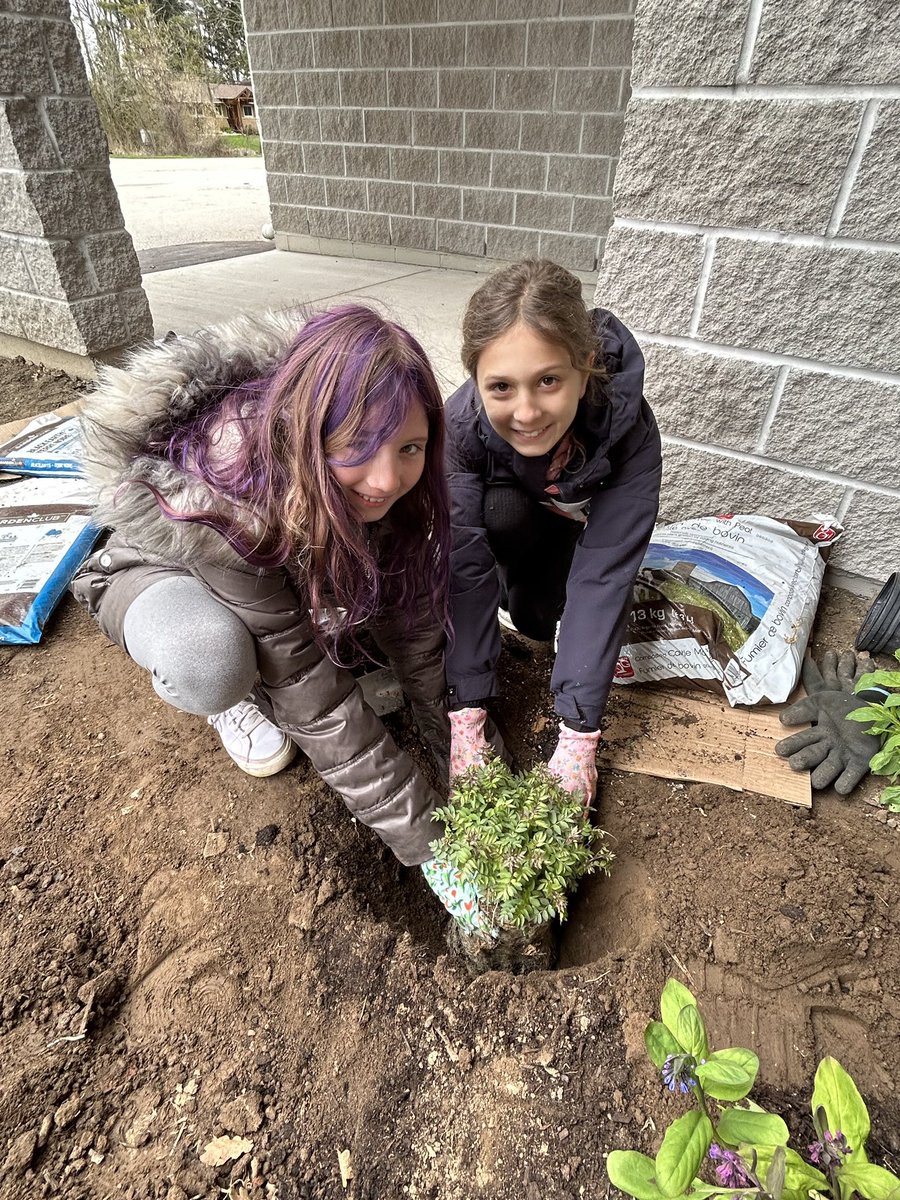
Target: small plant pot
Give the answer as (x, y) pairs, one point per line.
(880, 630)
(518, 951)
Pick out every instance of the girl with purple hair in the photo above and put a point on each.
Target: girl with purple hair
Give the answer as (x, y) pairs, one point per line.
(273, 487)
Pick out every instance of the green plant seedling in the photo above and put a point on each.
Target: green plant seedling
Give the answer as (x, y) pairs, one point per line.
(524, 842)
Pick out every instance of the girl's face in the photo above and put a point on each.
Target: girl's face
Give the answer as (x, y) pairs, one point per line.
(529, 389)
(395, 469)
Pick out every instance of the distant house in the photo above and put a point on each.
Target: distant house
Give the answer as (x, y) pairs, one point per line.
(234, 102)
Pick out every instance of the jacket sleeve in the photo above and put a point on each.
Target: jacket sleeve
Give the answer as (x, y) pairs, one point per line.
(416, 657)
(474, 644)
(601, 579)
(322, 708)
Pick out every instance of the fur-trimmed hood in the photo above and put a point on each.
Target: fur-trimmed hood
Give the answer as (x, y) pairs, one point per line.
(171, 379)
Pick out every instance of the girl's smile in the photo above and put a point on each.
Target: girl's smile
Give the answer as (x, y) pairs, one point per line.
(529, 388)
(394, 469)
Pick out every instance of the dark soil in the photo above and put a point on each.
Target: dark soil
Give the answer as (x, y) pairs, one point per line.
(27, 389)
(287, 982)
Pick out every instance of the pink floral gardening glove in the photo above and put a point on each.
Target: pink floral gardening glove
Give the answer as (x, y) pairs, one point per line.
(574, 761)
(468, 746)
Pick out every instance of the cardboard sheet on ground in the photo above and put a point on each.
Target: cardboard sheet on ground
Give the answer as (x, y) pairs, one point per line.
(696, 737)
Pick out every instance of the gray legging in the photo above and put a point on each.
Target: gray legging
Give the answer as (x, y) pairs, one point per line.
(201, 656)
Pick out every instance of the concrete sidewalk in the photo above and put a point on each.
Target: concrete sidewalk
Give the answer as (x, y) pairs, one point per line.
(429, 301)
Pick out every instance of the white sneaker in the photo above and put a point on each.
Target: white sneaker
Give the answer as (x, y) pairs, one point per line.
(256, 745)
(506, 620)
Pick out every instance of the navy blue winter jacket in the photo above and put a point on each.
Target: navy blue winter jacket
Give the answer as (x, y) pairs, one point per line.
(618, 485)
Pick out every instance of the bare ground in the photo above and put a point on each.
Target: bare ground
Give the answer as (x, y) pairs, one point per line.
(294, 988)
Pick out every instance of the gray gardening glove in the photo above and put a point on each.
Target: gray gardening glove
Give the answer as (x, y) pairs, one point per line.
(835, 750)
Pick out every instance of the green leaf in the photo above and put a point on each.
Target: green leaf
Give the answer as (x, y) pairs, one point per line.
(691, 1032)
(723, 1081)
(660, 1043)
(682, 1151)
(869, 713)
(633, 1173)
(738, 1057)
(729, 1074)
(675, 997)
(775, 1175)
(890, 798)
(738, 1125)
(845, 1110)
(799, 1176)
(889, 679)
(893, 701)
(872, 1182)
(884, 762)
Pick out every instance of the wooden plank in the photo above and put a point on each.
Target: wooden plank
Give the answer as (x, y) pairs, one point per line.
(764, 771)
(696, 737)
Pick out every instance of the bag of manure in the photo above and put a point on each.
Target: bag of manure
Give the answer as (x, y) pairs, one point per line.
(727, 603)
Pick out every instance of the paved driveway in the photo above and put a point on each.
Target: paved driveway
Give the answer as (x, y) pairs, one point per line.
(173, 201)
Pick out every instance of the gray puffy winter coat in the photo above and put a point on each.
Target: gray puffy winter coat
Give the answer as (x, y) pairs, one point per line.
(317, 703)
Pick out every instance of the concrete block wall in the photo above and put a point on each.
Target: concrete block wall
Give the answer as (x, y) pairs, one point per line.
(69, 277)
(756, 255)
(443, 132)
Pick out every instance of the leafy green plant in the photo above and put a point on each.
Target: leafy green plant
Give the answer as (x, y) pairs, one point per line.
(524, 842)
(747, 1146)
(883, 718)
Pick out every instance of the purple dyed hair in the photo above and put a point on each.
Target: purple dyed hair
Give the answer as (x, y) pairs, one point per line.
(344, 388)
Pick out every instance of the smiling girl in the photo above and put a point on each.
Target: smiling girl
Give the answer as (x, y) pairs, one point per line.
(554, 466)
(274, 485)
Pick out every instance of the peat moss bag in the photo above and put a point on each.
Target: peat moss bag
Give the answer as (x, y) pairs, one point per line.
(727, 603)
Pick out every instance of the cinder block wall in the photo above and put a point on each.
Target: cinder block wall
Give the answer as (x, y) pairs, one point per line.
(69, 277)
(756, 255)
(444, 132)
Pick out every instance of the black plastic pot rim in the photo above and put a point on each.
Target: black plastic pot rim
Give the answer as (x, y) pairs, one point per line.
(880, 630)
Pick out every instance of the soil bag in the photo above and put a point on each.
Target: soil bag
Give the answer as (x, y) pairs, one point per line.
(727, 603)
(46, 445)
(45, 535)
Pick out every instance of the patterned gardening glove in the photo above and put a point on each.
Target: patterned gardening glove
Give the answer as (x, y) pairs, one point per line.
(468, 745)
(835, 750)
(574, 761)
(460, 899)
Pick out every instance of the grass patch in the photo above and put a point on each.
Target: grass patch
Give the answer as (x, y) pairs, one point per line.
(242, 143)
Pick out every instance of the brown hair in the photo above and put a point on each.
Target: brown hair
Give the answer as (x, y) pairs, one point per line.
(542, 294)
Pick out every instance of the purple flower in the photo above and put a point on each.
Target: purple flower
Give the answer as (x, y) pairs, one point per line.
(678, 1073)
(730, 1169)
(830, 1151)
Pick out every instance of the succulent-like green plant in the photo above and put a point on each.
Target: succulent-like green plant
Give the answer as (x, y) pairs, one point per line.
(523, 840)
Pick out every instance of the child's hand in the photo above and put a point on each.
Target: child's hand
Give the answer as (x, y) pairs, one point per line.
(460, 899)
(574, 761)
(468, 746)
